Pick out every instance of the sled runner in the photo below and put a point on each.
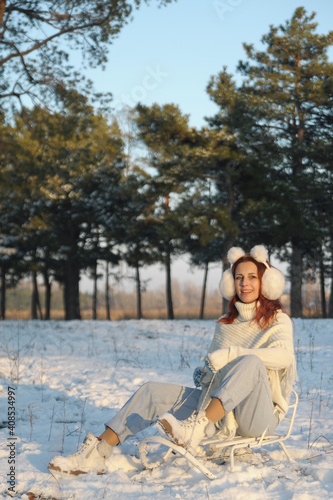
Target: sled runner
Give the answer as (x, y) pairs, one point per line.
(217, 443)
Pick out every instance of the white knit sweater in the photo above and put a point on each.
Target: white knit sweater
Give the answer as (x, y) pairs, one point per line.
(273, 345)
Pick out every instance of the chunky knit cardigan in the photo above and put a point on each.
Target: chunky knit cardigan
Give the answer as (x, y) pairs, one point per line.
(273, 345)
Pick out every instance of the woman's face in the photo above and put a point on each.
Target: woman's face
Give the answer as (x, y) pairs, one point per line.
(247, 282)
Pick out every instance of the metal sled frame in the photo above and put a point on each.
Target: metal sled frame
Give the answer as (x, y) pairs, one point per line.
(218, 444)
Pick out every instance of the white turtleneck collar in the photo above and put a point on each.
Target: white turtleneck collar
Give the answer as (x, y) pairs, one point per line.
(246, 311)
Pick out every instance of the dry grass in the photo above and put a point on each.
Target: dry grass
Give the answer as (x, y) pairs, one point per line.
(185, 307)
(119, 314)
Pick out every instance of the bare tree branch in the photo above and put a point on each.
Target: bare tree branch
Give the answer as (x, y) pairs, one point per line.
(30, 28)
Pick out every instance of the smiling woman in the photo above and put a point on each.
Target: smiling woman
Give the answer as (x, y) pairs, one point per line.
(247, 282)
(252, 279)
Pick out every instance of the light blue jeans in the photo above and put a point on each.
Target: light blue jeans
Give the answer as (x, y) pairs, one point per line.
(245, 389)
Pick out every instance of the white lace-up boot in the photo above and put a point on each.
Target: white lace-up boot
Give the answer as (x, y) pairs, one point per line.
(89, 458)
(187, 433)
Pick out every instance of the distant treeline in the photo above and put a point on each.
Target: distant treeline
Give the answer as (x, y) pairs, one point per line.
(80, 187)
(123, 304)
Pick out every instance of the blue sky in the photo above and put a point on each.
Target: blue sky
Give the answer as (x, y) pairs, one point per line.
(168, 54)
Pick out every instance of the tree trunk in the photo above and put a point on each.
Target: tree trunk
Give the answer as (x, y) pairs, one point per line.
(203, 294)
(107, 293)
(138, 291)
(322, 289)
(296, 282)
(330, 303)
(2, 10)
(71, 292)
(94, 301)
(35, 302)
(3, 293)
(168, 283)
(47, 285)
(34, 297)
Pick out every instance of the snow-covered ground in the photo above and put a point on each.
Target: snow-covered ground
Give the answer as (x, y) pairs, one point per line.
(68, 378)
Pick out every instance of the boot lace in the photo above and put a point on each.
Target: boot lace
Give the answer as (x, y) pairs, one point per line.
(85, 444)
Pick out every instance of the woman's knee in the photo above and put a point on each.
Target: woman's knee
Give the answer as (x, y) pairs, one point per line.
(251, 362)
(146, 388)
(151, 388)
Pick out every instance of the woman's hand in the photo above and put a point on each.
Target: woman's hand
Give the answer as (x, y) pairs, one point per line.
(202, 376)
(218, 359)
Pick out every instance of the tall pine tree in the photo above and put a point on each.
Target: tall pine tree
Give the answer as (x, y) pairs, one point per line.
(288, 88)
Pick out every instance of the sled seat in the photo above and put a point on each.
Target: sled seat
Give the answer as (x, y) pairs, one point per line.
(217, 443)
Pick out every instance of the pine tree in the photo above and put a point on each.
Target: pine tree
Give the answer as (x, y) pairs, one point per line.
(166, 134)
(288, 87)
(210, 226)
(63, 163)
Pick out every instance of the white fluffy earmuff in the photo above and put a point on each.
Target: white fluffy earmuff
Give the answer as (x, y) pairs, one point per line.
(227, 283)
(273, 282)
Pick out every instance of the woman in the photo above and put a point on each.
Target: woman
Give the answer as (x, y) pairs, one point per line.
(245, 382)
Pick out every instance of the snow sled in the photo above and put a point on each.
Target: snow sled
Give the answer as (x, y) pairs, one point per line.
(217, 444)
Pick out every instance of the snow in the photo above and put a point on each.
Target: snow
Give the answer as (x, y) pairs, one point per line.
(71, 377)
